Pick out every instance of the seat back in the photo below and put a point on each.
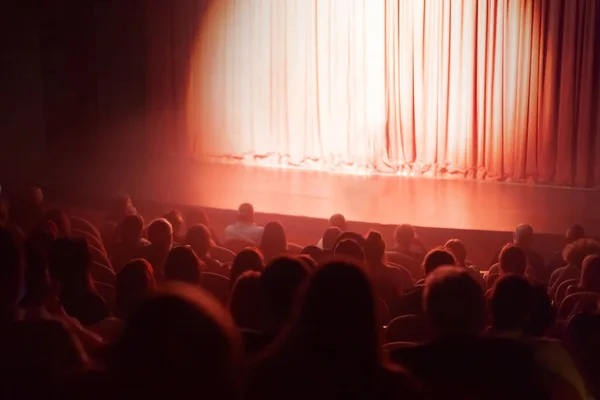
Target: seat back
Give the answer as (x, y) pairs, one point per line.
(236, 245)
(561, 291)
(578, 302)
(408, 328)
(222, 254)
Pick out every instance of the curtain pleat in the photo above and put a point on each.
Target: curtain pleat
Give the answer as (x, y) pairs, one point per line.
(485, 89)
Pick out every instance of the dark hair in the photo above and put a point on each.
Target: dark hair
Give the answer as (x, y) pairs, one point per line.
(458, 249)
(574, 253)
(374, 246)
(246, 260)
(274, 241)
(246, 303)
(178, 342)
(160, 232)
(543, 315)
(281, 281)
(183, 265)
(339, 221)
(438, 258)
(314, 253)
(131, 228)
(246, 212)
(62, 221)
(135, 282)
(512, 303)
(454, 302)
(175, 219)
(349, 248)
(199, 238)
(512, 260)
(590, 274)
(575, 231)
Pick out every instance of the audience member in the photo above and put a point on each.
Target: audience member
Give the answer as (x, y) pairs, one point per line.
(245, 228)
(160, 235)
(349, 248)
(120, 207)
(330, 238)
(61, 220)
(408, 243)
(69, 263)
(176, 220)
(590, 275)
(274, 241)
(198, 238)
(574, 253)
(337, 222)
(130, 241)
(282, 281)
(575, 232)
(332, 348)
(246, 260)
(179, 344)
(389, 281)
(183, 265)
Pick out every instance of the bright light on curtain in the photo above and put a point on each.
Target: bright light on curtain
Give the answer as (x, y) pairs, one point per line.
(490, 89)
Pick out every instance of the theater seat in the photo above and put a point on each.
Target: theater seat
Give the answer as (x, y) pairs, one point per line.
(237, 245)
(222, 254)
(408, 328)
(217, 285)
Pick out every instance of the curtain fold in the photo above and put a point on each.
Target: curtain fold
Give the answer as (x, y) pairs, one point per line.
(496, 89)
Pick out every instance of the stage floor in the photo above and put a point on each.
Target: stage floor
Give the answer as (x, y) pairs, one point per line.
(437, 203)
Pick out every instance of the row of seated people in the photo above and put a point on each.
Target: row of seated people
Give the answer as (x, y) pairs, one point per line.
(114, 301)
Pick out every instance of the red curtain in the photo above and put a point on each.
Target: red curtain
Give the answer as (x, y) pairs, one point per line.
(496, 89)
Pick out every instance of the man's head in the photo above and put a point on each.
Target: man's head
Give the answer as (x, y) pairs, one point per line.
(513, 260)
(160, 233)
(404, 235)
(175, 219)
(438, 258)
(330, 237)
(574, 233)
(246, 213)
(338, 220)
(458, 249)
(454, 302)
(523, 235)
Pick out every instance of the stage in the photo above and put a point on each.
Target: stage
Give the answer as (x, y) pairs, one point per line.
(482, 213)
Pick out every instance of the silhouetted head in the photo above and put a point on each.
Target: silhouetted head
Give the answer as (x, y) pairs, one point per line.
(523, 235)
(246, 213)
(179, 343)
(574, 233)
(69, 262)
(61, 220)
(135, 282)
(274, 241)
(338, 220)
(199, 239)
(590, 274)
(337, 321)
(330, 237)
(348, 248)
(438, 258)
(120, 207)
(281, 281)
(512, 303)
(512, 260)
(175, 219)
(183, 265)
(314, 253)
(574, 253)
(131, 229)
(246, 260)
(12, 262)
(454, 302)
(374, 247)
(246, 303)
(160, 233)
(458, 249)
(404, 235)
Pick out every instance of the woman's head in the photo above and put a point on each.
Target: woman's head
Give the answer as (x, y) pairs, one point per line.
(183, 265)
(198, 238)
(135, 282)
(246, 303)
(337, 321)
(590, 274)
(246, 260)
(179, 342)
(274, 240)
